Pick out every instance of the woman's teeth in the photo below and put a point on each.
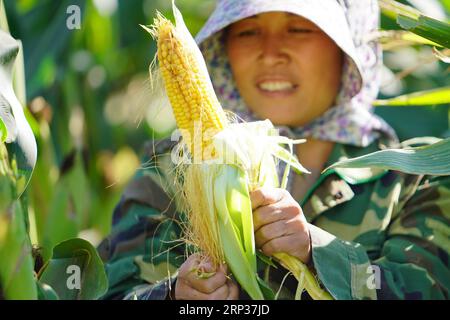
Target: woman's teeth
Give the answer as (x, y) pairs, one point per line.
(276, 86)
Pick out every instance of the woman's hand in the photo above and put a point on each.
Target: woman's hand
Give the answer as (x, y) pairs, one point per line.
(279, 224)
(190, 286)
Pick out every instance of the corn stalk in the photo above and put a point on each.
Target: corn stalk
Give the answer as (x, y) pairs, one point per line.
(16, 262)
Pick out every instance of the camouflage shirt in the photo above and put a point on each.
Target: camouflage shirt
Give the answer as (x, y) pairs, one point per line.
(375, 234)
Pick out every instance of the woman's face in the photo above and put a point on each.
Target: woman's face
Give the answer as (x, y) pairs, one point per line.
(286, 69)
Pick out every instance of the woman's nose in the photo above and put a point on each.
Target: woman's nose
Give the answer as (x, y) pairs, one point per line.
(272, 50)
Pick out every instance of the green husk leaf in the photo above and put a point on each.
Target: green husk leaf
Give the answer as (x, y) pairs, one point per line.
(236, 256)
(304, 277)
(241, 210)
(266, 289)
(267, 260)
(399, 38)
(289, 158)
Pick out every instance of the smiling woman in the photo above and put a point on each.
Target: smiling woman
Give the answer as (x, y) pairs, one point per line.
(307, 66)
(280, 62)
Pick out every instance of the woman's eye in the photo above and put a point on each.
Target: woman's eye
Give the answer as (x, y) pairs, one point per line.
(300, 30)
(247, 33)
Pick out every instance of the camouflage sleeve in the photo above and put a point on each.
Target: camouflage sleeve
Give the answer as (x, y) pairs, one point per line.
(139, 257)
(341, 266)
(412, 262)
(143, 252)
(158, 291)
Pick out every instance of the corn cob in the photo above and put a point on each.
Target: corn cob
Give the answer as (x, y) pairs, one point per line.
(216, 194)
(197, 111)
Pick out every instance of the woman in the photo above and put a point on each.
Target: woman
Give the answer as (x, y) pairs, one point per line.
(306, 66)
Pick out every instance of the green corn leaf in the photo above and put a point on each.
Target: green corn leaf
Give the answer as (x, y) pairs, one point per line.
(267, 260)
(432, 159)
(17, 279)
(266, 289)
(61, 221)
(75, 271)
(413, 20)
(16, 262)
(422, 98)
(392, 39)
(67, 209)
(393, 9)
(446, 5)
(416, 39)
(426, 27)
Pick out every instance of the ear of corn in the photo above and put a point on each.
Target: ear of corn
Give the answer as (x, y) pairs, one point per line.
(229, 161)
(196, 109)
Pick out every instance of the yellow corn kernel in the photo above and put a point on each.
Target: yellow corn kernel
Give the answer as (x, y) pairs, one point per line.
(197, 111)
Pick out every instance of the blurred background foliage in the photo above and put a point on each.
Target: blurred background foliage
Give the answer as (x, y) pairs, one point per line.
(87, 94)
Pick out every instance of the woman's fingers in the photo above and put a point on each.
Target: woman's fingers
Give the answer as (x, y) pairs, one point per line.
(221, 293)
(187, 292)
(283, 210)
(233, 290)
(269, 232)
(279, 223)
(296, 245)
(198, 278)
(278, 229)
(208, 283)
(264, 196)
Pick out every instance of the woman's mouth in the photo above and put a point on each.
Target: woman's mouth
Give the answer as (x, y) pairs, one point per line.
(276, 87)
